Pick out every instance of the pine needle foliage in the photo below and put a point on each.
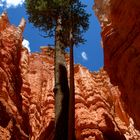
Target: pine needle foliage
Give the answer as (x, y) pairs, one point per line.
(44, 14)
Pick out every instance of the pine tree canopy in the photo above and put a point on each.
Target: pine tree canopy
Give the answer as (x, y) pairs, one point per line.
(44, 14)
(76, 20)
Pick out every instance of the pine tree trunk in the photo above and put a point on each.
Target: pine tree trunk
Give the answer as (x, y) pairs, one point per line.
(61, 88)
(71, 123)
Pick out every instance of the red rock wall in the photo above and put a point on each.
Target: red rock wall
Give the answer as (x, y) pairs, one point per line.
(41, 110)
(99, 110)
(11, 115)
(121, 37)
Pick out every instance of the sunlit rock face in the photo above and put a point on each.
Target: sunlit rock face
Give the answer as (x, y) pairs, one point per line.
(41, 110)
(99, 113)
(11, 115)
(121, 42)
(99, 110)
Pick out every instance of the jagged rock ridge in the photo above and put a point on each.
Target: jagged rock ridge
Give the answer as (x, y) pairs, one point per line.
(12, 118)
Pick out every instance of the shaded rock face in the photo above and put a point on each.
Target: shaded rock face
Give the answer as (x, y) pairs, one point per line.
(121, 37)
(103, 99)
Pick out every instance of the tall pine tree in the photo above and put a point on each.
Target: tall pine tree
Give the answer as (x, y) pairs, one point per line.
(76, 23)
(66, 20)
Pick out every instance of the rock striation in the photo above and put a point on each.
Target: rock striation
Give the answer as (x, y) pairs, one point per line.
(106, 102)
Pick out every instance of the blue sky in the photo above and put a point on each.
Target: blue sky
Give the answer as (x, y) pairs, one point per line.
(89, 54)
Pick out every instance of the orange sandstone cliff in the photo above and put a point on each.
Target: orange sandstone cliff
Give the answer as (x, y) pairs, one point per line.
(106, 102)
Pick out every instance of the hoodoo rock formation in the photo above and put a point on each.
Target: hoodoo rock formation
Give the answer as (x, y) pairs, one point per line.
(106, 102)
(12, 118)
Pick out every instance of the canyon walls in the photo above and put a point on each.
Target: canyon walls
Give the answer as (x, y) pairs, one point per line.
(106, 102)
(99, 109)
(120, 23)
